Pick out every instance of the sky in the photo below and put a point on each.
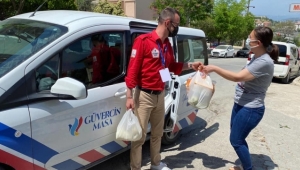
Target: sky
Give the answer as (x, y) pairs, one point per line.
(274, 9)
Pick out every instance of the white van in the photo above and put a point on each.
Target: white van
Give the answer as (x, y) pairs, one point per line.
(52, 115)
(288, 61)
(288, 65)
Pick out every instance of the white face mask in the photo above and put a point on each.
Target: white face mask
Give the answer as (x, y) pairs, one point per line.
(248, 43)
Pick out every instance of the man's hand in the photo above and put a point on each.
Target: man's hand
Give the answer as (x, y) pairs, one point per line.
(129, 104)
(197, 66)
(129, 101)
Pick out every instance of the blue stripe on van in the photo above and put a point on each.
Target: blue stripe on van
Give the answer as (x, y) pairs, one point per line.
(68, 164)
(183, 123)
(25, 144)
(112, 147)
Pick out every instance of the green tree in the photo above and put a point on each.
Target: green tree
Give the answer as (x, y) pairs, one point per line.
(297, 41)
(84, 5)
(230, 21)
(278, 37)
(10, 8)
(190, 10)
(109, 8)
(207, 26)
(237, 29)
(286, 28)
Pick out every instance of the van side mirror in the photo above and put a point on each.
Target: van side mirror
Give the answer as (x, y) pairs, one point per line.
(69, 86)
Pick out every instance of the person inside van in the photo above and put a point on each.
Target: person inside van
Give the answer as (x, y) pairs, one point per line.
(151, 62)
(253, 82)
(99, 59)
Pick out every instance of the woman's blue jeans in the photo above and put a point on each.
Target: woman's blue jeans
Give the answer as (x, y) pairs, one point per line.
(243, 120)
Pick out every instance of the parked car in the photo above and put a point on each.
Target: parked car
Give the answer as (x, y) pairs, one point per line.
(223, 51)
(288, 65)
(244, 52)
(52, 114)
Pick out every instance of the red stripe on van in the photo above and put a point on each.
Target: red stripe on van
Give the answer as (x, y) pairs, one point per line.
(192, 117)
(91, 156)
(16, 162)
(176, 129)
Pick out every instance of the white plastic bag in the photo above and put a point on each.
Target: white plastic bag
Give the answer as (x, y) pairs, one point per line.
(129, 128)
(200, 90)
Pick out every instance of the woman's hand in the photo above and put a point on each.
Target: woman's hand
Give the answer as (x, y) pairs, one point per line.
(208, 69)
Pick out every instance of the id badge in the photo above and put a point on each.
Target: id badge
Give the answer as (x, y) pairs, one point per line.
(165, 75)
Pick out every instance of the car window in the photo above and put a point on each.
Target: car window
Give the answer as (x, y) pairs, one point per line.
(95, 60)
(198, 48)
(184, 50)
(282, 50)
(47, 74)
(191, 48)
(21, 38)
(221, 47)
(295, 53)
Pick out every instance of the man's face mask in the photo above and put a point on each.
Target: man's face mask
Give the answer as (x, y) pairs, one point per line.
(248, 43)
(175, 30)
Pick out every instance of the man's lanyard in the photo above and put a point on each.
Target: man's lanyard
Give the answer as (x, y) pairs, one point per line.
(161, 54)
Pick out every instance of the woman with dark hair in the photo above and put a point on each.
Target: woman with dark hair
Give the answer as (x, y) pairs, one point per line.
(253, 82)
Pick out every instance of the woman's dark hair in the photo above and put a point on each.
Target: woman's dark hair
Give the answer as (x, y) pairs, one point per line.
(265, 36)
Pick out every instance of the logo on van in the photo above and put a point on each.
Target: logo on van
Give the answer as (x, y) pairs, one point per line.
(75, 127)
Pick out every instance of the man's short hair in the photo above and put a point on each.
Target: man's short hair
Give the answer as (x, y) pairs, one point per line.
(167, 13)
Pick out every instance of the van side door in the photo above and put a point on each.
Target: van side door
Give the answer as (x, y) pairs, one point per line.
(190, 48)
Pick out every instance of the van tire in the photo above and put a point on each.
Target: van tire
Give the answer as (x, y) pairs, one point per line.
(5, 167)
(169, 137)
(286, 80)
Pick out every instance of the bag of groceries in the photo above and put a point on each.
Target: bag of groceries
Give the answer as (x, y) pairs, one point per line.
(200, 90)
(129, 128)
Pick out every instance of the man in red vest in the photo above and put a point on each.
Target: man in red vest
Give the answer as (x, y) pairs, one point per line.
(151, 62)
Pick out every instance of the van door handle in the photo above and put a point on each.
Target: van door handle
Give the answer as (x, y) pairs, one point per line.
(120, 93)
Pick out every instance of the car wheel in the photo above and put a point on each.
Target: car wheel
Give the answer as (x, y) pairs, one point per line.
(169, 137)
(286, 80)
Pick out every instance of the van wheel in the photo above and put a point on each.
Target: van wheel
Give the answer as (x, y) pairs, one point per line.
(5, 167)
(169, 137)
(286, 80)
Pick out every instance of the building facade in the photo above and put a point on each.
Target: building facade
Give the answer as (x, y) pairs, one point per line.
(138, 9)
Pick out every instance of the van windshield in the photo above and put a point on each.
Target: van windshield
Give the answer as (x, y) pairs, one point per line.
(20, 39)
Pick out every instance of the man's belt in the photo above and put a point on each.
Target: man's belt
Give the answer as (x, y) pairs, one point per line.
(155, 92)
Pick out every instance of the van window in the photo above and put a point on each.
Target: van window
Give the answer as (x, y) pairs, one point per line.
(20, 39)
(282, 50)
(294, 52)
(95, 60)
(190, 49)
